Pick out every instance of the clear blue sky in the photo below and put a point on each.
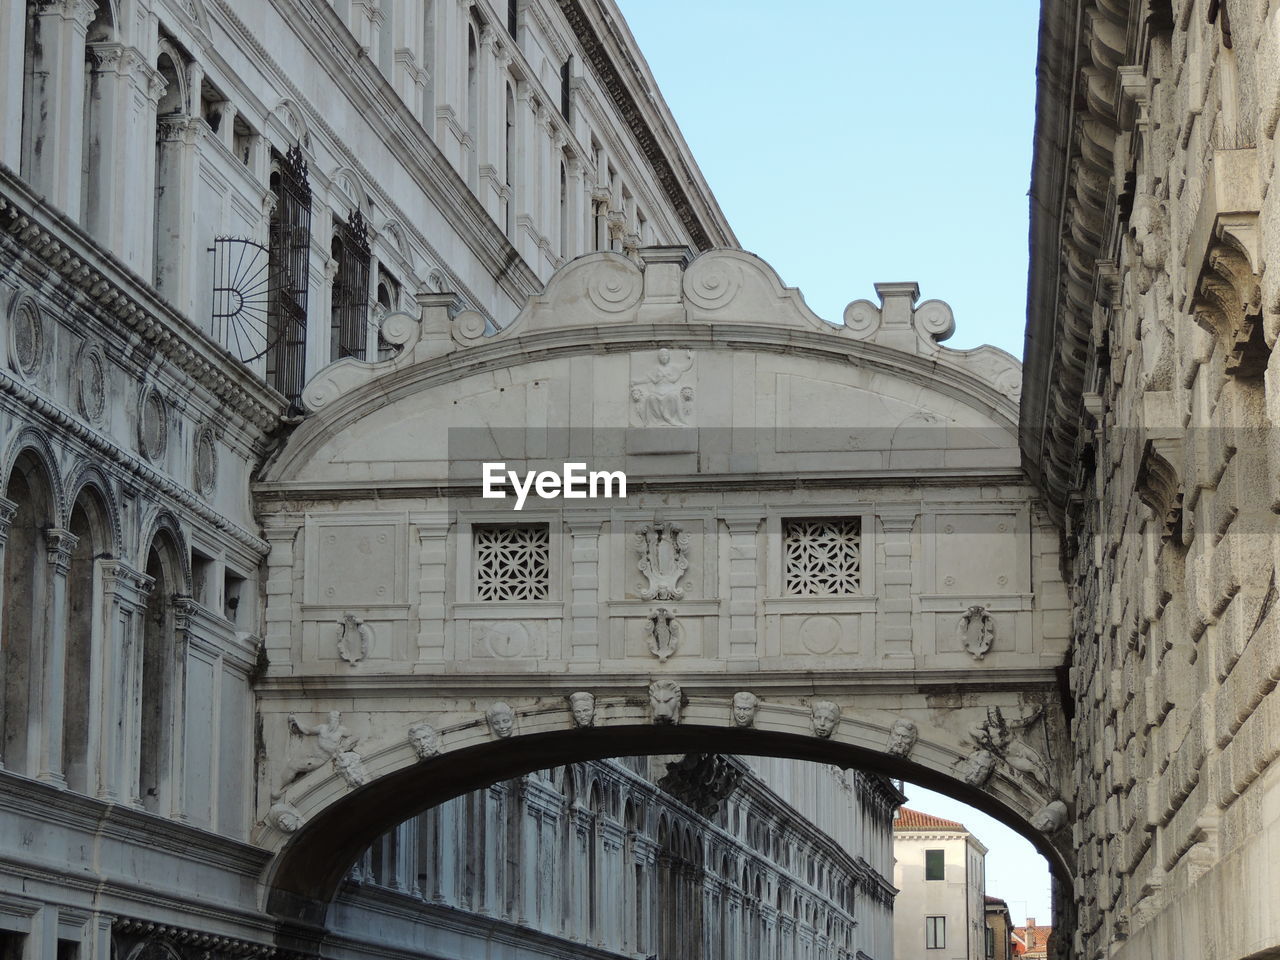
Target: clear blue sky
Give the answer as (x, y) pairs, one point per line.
(851, 142)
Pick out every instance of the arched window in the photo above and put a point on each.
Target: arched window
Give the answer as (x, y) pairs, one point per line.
(22, 621)
(156, 717)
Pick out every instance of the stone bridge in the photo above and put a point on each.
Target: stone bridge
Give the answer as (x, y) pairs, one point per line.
(827, 550)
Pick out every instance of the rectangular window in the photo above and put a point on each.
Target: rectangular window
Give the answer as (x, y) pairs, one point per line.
(822, 557)
(935, 933)
(935, 865)
(349, 296)
(512, 562)
(566, 73)
(991, 944)
(513, 18)
(289, 257)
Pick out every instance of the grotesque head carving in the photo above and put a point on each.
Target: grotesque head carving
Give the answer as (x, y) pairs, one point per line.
(502, 719)
(744, 708)
(284, 818)
(902, 737)
(425, 739)
(825, 717)
(664, 700)
(1051, 817)
(583, 707)
(979, 767)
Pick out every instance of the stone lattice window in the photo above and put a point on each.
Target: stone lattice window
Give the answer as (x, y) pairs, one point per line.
(512, 562)
(822, 557)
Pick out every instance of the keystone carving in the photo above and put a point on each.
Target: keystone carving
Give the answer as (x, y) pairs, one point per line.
(664, 634)
(583, 707)
(354, 637)
(502, 720)
(425, 740)
(350, 767)
(664, 701)
(659, 398)
(976, 631)
(1228, 303)
(1051, 817)
(745, 704)
(664, 558)
(825, 717)
(976, 769)
(902, 737)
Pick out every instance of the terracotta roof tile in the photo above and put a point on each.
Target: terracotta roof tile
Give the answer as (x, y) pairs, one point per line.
(909, 819)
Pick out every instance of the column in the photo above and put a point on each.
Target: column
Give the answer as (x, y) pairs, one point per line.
(450, 78)
(584, 586)
(894, 630)
(575, 196)
(183, 612)
(526, 176)
(133, 183)
(47, 719)
(433, 557)
(612, 912)
(175, 192)
(13, 35)
(489, 113)
(743, 525)
(51, 153)
(8, 509)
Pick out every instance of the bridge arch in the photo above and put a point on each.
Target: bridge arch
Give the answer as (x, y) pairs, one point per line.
(829, 519)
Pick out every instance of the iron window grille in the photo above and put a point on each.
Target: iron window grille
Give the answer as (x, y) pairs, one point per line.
(289, 254)
(349, 322)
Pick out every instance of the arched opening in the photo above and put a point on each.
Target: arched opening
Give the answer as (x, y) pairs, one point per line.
(156, 731)
(90, 526)
(22, 619)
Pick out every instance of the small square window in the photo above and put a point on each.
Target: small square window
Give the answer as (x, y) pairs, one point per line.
(512, 562)
(822, 557)
(935, 865)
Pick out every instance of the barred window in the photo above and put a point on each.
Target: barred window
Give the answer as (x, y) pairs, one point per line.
(512, 562)
(822, 557)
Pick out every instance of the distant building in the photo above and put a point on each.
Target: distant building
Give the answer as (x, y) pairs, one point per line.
(1031, 942)
(999, 929)
(940, 874)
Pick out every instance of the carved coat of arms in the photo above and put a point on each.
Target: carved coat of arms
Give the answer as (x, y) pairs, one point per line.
(354, 637)
(664, 557)
(664, 634)
(976, 631)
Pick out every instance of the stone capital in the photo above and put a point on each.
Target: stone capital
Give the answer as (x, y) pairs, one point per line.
(8, 509)
(61, 544)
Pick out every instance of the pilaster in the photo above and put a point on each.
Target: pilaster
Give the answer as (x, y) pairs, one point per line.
(584, 585)
(124, 601)
(60, 545)
(433, 563)
(894, 631)
(278, 641)
(13, 32)
(743, 581)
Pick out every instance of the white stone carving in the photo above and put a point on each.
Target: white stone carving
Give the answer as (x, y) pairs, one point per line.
(425, 740)
(501, 719)
(504, 639)
(664, 634)
(822, 557)
(976, 631)
(332, 738)
(583, 707)
(902, 737)
(663, 396)
(205, 460)
(745, 704)
(994, 734)
(1051, 817)
(350, 767)
(512, 562)
(664, 558)
(27, 337)
(284, 818)
(976, 769)
(825, 716)
(354, 638)
(153, 426)
(91, 382)
(664, 701)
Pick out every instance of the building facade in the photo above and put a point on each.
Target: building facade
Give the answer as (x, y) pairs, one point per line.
(1149, 419)
(940, 873)
(202, 203)
(999, 929)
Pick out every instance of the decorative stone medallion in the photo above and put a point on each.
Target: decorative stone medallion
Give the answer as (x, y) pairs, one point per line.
(27, 338)
(91, 383)
(153, 428)
(205, 467)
